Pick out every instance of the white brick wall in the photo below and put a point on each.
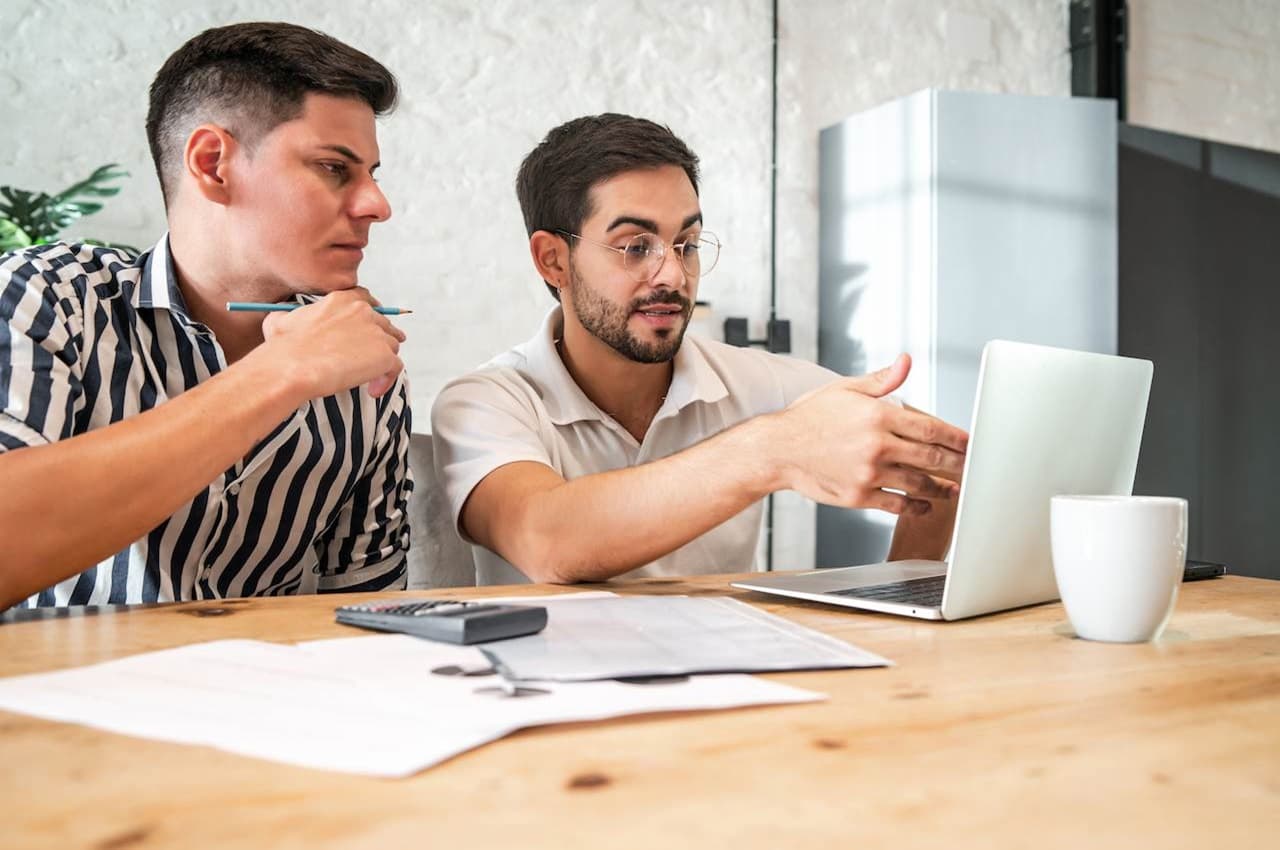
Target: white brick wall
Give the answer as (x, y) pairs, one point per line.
(1207, 69)
(483, 80)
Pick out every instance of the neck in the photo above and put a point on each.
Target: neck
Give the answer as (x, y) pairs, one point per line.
(208, 282)
(628, 391)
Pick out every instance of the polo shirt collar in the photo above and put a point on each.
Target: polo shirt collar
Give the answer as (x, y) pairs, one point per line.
(692, 381)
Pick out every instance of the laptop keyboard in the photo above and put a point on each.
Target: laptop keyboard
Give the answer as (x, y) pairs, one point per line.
(926, 592)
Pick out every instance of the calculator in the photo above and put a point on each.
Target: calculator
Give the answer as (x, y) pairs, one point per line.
(449, 620)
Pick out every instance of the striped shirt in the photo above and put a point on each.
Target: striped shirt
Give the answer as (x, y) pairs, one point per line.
(90, 336)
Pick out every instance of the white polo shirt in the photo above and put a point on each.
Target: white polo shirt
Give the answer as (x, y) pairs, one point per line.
(524, 406)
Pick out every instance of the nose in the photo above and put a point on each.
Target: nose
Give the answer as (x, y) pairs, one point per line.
(370, 202)
(670, 273)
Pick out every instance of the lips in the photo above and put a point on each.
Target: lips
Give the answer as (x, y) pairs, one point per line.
(661, 310)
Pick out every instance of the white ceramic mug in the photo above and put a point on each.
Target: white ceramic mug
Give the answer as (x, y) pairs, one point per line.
(1118, 561)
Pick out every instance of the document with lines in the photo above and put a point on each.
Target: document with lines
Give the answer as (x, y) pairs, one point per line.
(380, 705)
(628, 636)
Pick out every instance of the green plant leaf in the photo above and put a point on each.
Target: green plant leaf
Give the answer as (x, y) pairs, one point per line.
(92, 185)
(29, 211)
(42, 216)
(12, 237)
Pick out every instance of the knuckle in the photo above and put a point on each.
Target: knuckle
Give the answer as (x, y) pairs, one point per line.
(878, 451)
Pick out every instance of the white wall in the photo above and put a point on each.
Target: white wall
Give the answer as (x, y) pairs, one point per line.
(1208, 69)
(483, 81)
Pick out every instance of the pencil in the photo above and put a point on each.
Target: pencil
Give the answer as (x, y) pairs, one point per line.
(255, 307)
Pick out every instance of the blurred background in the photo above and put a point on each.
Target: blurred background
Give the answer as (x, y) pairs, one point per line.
(750, 85)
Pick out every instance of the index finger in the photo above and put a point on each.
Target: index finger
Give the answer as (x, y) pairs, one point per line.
(368, 296)
(387, 326)
(912, 424)
(355, 293)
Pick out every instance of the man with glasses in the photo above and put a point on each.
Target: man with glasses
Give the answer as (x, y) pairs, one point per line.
(610, 444)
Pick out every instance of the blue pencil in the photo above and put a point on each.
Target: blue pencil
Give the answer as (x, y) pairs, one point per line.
(255, 307)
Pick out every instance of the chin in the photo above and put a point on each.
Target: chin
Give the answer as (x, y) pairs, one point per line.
(333, 282)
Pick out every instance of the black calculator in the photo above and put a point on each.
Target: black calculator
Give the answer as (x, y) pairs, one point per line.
(449, 620)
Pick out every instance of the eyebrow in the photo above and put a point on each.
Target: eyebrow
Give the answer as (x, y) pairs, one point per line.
(349, 154)
(649, 224)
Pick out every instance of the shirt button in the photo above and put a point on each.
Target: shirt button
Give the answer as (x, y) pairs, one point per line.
(233, 490)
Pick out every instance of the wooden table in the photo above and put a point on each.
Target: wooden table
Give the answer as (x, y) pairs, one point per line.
(1004, 731)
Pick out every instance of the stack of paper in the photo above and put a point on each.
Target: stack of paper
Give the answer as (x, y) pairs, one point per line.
(383, 705)
(589, 637)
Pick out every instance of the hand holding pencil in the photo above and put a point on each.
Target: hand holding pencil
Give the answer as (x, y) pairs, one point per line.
(335, 343)
(289, 307)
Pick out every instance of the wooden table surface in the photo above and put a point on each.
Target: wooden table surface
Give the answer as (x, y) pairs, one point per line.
(1003, 731)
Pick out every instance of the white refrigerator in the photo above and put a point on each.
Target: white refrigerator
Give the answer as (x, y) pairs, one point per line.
(951, 218)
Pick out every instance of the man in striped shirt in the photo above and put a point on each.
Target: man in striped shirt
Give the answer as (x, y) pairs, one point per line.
(154, 446)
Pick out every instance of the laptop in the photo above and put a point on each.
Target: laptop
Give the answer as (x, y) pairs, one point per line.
(1046, 421)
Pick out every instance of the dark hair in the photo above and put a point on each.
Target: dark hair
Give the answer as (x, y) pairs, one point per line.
(555, 180)
(252, 77)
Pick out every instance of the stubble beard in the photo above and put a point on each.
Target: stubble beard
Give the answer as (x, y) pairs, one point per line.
(607, 321)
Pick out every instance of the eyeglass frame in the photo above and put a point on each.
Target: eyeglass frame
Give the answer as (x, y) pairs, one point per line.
(661, 259)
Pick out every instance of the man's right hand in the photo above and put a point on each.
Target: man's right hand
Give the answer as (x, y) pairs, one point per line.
(846, 445)
(335, 344)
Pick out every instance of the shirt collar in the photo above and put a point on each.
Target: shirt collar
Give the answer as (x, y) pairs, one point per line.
(158, 286)
(693, 380)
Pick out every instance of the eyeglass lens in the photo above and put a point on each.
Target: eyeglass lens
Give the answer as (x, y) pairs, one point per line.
(644, 253)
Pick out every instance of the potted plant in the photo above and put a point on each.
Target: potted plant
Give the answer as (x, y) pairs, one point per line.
(34, 218)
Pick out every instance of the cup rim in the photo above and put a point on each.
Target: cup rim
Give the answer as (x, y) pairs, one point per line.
(1122, 500)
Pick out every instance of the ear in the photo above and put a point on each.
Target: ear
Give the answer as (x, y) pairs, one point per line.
(207, 162)
(550, 252)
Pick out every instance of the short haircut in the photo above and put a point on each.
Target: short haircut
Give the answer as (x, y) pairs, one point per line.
(250, 78)
(555, 180)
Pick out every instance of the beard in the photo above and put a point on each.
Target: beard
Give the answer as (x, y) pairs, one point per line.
(608, 322)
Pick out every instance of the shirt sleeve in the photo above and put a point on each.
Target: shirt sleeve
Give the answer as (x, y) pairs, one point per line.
(40, 370)
(797, 377)
(367, 549)
(478, 423)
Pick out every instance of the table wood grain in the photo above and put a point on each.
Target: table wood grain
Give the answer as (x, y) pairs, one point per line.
(1002, 731)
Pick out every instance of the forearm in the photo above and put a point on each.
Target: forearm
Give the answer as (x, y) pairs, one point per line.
(68, 505)
(599, 526)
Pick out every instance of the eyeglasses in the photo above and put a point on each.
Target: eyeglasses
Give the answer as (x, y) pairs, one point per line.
(644, 253)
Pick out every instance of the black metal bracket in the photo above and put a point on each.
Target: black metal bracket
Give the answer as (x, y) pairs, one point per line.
(1098, 31)
(777, 335)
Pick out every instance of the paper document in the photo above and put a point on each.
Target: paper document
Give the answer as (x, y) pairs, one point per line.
(382, 705)
(615, 637)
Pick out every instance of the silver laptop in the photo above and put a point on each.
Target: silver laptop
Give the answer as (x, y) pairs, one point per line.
(1046, 421)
